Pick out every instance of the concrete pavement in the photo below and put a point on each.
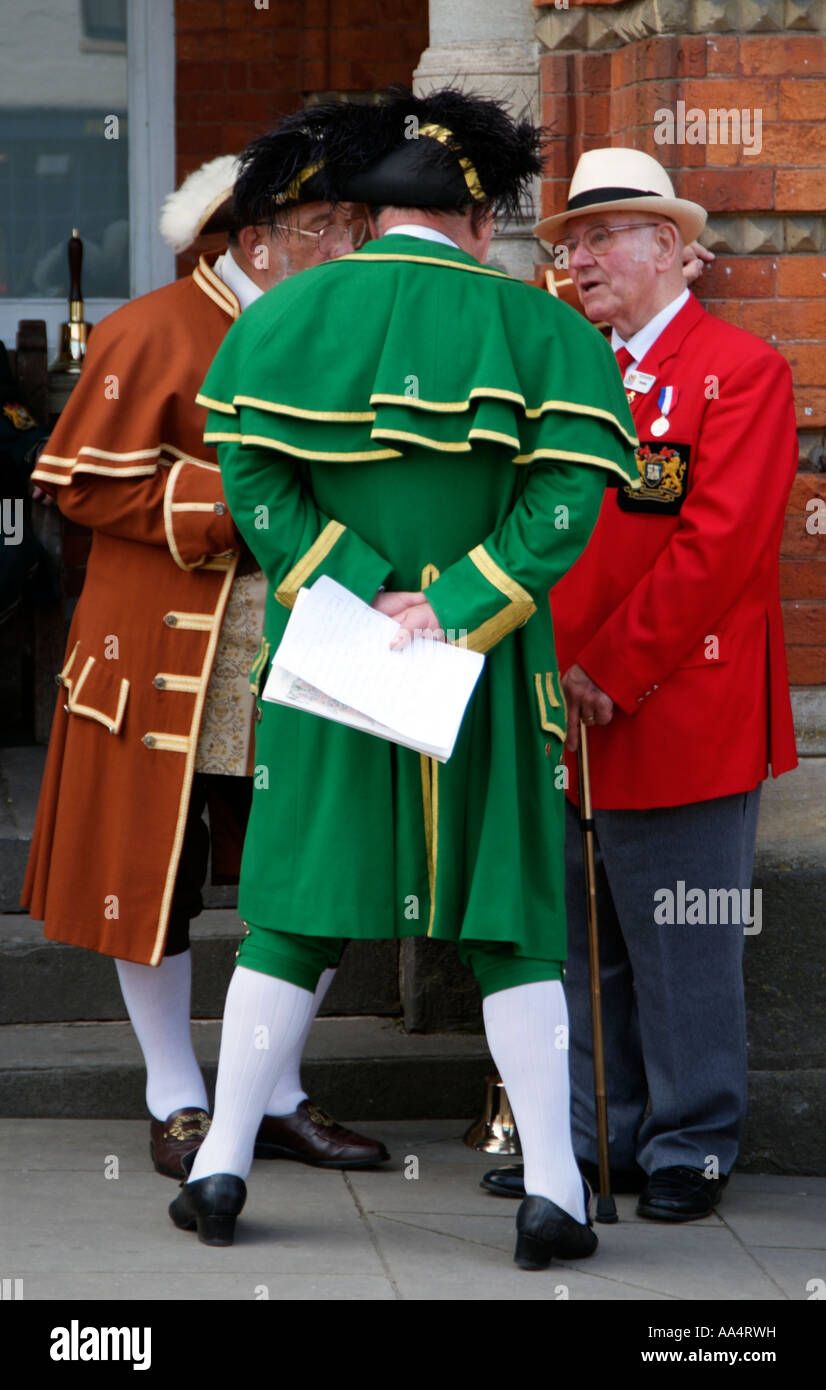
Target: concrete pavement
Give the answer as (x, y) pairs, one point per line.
(72, 1232)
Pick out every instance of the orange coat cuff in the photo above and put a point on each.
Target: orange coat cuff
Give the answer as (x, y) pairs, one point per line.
(197, 522)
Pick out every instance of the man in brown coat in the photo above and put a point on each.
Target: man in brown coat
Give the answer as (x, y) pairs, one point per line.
(155, 720)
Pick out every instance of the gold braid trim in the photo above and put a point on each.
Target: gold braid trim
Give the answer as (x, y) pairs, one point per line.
(447, 138)
(319, 550)
(430, 793)
(293, 190)
(513, 614)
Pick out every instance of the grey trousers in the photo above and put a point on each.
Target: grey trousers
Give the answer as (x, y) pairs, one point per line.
(672, 990)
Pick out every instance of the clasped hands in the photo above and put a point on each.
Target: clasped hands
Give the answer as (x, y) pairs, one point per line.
(413, 613)
(415, 617)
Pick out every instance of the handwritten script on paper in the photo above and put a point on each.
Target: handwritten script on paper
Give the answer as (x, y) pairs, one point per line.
(335, 661)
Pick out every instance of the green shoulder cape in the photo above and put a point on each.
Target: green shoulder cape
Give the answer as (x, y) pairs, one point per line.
(405, 356)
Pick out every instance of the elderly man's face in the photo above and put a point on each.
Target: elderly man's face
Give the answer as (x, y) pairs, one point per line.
(612, 284)
(308, 234)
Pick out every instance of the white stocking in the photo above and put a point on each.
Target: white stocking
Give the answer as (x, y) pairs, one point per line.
(263, 1020)
(289, 1093)
(527, 1031)
(157, 998)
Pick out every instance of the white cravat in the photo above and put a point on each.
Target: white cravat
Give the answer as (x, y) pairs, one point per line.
(641, 342)
(245, 290)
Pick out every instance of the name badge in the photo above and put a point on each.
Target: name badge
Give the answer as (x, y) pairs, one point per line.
(639, 381)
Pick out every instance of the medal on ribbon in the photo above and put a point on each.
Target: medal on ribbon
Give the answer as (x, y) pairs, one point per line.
(666, 400)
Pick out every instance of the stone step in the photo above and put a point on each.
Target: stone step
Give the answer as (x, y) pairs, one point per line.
(46, 982)
(365, 1067)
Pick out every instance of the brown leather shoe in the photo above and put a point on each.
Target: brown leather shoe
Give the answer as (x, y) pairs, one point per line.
(312, 1137)
(180, 1133)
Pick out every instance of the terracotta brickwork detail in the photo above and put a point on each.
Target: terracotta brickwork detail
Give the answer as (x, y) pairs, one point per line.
(607, 73)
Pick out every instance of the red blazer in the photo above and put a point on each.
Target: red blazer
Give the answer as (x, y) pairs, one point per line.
(674, 608)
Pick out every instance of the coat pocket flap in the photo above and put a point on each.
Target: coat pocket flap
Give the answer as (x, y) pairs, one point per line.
(550, 699)
(93, 691)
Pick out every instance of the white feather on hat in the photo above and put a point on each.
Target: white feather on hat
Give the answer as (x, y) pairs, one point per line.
(186, 211)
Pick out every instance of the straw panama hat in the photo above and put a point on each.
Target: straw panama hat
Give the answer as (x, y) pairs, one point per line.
(613, 180)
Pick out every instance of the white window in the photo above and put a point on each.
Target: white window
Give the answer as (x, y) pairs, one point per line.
(87, 141)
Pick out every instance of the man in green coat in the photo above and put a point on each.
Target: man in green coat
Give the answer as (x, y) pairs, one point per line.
(445, 460)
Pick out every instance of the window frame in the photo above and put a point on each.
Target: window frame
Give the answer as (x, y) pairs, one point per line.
(150, 60)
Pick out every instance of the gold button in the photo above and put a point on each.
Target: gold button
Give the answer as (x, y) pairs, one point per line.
(159, 682)
(220, 508)
(548, 749)
(257, 716)
(170, 619)
(148, 740)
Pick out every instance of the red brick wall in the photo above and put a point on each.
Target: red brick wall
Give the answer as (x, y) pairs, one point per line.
(238, 67)
(597, 99)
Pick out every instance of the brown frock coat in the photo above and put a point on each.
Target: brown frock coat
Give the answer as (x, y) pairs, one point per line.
(127, 459)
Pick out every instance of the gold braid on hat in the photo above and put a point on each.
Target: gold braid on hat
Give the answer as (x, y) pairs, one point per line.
(446, 137)
(293, 190)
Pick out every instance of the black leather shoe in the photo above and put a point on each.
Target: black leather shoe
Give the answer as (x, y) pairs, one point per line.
(679, 1194)
(505, 1182)
(210, 1204)
(544, 1230)
(510, 1180)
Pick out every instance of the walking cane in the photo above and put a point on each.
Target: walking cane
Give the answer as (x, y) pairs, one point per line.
(606, 1207)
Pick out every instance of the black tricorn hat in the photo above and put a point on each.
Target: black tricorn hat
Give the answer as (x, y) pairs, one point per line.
(286, 166)
(447, 150)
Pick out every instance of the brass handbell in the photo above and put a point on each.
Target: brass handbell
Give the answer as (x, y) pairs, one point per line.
(73, 335)
(495, 1131)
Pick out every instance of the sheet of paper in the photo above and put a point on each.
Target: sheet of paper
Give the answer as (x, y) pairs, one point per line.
(341, 646)
(286, 689)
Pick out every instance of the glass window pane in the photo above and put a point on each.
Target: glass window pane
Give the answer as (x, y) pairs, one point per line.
(63, 147)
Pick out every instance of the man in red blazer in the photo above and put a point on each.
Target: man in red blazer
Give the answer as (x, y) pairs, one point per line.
(669, 632)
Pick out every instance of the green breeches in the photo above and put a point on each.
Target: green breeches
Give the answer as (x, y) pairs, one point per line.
(301, 960)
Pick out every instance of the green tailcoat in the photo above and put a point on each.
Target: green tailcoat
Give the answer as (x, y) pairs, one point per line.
(406, 417)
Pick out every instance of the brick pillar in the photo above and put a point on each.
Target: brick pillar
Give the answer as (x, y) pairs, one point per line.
(606, 79)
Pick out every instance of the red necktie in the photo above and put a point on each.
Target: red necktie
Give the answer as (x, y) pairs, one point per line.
(624, 360)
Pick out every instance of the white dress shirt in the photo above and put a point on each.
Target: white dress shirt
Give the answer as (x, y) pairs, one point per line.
(640, 343)
(425, 233)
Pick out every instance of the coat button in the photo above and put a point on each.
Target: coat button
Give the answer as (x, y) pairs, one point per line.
(220, 508)
(58, 680)
(171, 619)
(159, 682)
(148, 740)
(258, 716)
(548, 749)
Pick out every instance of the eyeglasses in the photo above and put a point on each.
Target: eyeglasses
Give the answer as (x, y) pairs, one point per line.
(333, 236)
(598, 241)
